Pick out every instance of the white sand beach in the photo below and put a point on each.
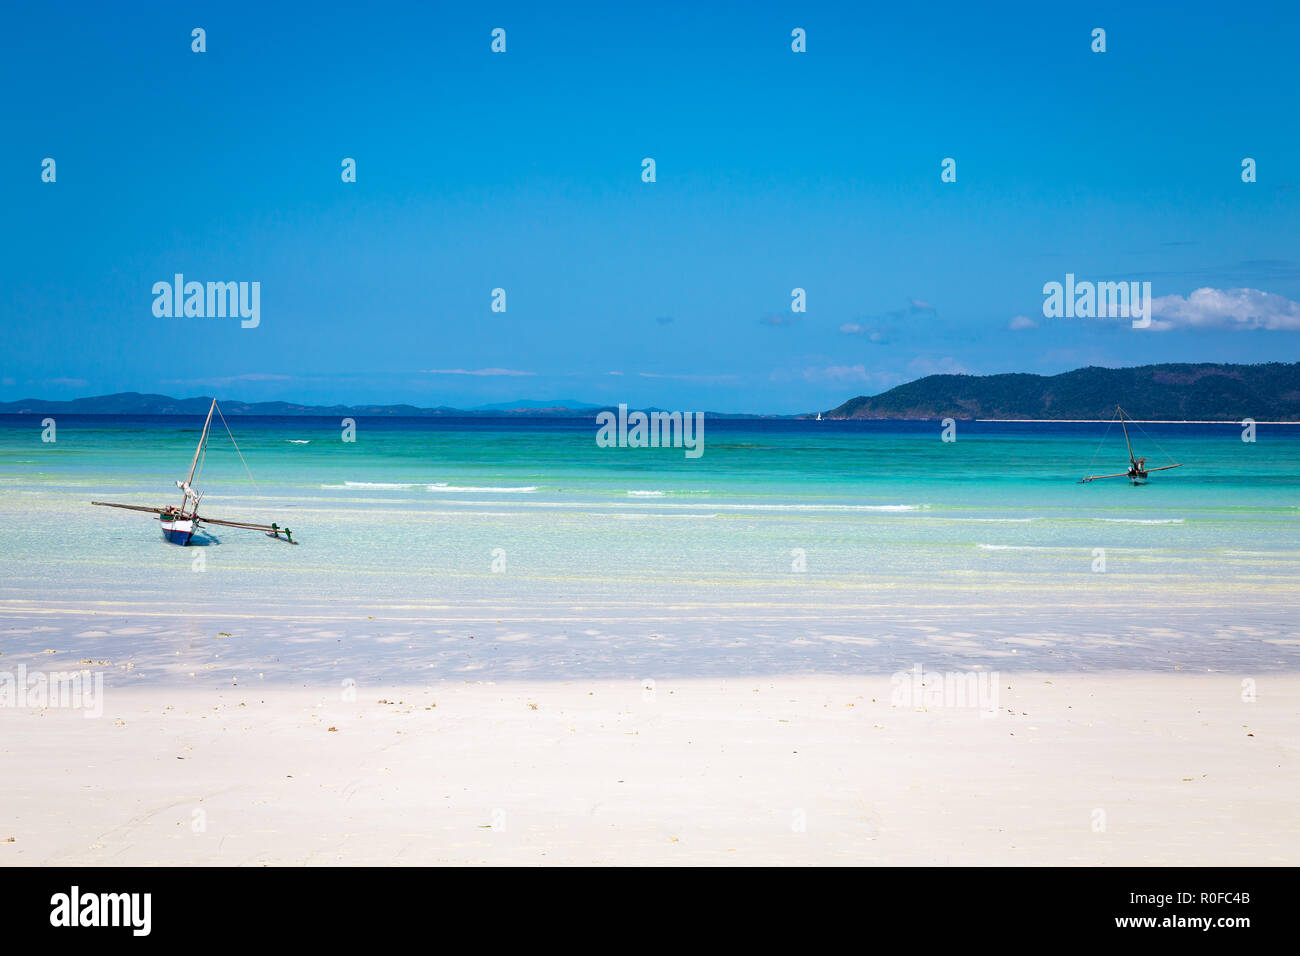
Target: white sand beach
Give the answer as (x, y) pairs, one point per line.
(1091, 769)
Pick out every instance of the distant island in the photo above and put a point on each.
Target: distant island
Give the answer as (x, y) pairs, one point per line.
(138, 404)
(1176, 392)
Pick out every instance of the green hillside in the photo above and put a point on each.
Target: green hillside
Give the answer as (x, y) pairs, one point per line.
(1205, 391)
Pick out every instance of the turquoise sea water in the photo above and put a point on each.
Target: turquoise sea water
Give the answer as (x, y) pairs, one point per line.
(528, 528)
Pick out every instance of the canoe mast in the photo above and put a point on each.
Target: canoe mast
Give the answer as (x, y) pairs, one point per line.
(1121, 425)
(190, 494)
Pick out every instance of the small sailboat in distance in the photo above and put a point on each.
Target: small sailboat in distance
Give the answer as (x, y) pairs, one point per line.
(180, 523)
(1137, 467)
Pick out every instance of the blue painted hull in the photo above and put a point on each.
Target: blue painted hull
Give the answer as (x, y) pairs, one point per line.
(177, 532)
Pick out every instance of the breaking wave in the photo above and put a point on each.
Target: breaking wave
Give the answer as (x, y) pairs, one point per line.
(1142, 520)
(443, 486)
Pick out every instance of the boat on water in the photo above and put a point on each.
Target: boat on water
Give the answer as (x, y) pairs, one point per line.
(180, 523)
(1138, 471)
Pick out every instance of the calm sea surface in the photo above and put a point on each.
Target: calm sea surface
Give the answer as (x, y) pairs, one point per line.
(789, 526)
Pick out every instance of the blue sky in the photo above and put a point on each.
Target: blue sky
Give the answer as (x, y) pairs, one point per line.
(522, 171)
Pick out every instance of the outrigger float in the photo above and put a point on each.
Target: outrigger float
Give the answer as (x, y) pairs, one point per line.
(180, 523)
(1137, 467)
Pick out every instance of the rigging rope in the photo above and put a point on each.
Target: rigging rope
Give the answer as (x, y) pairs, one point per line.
(1154, 442)
(237, 451)
(1109, 426)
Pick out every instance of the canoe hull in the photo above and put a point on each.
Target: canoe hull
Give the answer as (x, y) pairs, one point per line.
(178, 530)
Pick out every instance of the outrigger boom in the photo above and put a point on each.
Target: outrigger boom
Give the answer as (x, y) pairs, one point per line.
(272, 529)
(180, 523)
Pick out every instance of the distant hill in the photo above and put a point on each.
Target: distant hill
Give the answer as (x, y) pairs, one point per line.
(531, 405)
(1204, 391)
(135, 403)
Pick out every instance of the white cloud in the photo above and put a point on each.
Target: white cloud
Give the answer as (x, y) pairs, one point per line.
(222, 381)
(1022, 322)
(689, 378)
(1225, 309)
(838, 373)
(855, 328)
(841, 374)
(474, 371)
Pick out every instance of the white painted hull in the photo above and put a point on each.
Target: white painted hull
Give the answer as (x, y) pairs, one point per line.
(178, 530)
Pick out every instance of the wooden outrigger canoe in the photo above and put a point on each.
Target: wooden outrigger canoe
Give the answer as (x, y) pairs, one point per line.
(180, 523)
(1137, 467)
